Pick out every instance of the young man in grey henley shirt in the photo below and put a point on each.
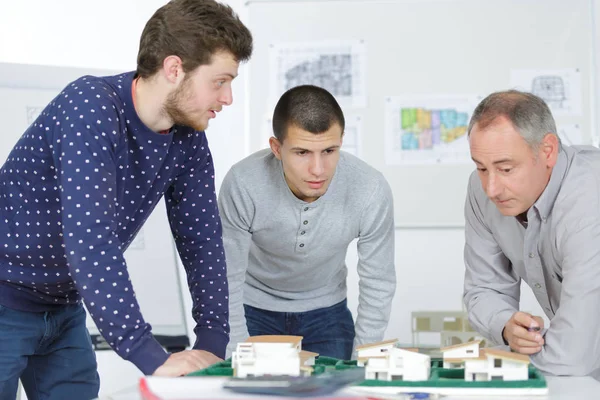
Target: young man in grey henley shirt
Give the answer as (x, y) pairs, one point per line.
(289, 214)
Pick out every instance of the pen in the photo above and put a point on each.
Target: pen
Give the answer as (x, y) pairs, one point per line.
(406, 396)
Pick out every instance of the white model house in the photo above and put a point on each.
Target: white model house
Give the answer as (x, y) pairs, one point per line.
(455, 356)
(397, 365)
(307, 358)
(493, 364)
(271, 355)
(369, 350)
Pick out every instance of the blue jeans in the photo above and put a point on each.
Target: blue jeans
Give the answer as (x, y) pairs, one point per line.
(328, 331)
(51, 352)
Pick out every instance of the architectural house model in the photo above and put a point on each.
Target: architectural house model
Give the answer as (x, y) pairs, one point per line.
(455, 356)
(386, 362)
(453, 327)
(272, 355)
(369, 350)
(493, 364)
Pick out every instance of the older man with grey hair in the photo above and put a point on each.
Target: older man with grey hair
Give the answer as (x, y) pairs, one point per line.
(532, 213)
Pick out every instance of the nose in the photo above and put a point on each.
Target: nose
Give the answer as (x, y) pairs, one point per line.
(493, 186)
(316, 166)
(226, 97)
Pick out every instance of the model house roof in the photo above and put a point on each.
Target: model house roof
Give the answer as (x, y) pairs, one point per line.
(294, 340)
(507, 355)
(458, 346)
(363, 359)
(305, 355)
(378, 344)
(411, 349)
(411, 353)
(482, 356)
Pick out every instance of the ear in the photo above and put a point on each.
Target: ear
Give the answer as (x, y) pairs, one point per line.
(549, 149)
(173, 69)
(275, 146)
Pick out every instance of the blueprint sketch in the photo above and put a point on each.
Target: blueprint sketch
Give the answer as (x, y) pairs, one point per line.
(560, 88)
(352, 135)
(338, 66)
(32, 113)
(570, 134)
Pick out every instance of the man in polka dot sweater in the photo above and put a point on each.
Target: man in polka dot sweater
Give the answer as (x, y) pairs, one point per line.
(80, 183)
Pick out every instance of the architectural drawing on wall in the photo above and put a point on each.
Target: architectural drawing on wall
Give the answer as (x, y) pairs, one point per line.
(338, 66)
(550, 88)
(570, 134)
(352, 135)
(138, 242)
(560, 88)
(427, 129)
(32, 113)
(266, 132)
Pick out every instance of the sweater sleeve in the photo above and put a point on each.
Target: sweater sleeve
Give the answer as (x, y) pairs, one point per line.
(196, 226)
(376, 269)
(84, 141)
(237, 212)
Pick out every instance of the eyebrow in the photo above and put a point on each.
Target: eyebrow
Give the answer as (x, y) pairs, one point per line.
(501, 161)
(227, 74)
(310, 151)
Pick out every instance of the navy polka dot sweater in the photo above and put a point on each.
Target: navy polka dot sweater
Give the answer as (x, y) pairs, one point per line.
(74, 191)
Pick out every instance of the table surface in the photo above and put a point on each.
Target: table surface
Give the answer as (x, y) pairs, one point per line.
(560, 388)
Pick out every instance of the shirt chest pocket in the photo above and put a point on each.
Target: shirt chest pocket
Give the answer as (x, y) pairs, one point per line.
(552, 272)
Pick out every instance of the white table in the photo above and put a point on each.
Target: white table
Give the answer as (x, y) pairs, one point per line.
(560, 388)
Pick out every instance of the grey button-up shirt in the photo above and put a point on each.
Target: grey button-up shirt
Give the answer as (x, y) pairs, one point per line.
(558, 255)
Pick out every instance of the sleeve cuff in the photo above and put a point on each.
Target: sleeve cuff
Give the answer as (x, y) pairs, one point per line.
(148, 356)
(497, 325)
(213, 342)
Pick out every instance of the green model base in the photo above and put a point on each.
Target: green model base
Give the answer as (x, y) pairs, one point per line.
(440, 377)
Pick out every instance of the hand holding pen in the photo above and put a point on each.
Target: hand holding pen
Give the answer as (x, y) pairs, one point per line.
(522, 333)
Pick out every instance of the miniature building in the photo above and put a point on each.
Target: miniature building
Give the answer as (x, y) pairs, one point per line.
(448, 338)
(493, 364)
(397, 365)
(307, 358)
(384, 361)
(452, 326)
(455, 356)
(369, 350)
(271, 355)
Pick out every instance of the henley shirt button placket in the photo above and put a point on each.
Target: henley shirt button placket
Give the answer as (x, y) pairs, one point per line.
(301, 245)
(305, 222)
(303, 232)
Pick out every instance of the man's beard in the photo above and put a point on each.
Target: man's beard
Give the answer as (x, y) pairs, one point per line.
(173, 109)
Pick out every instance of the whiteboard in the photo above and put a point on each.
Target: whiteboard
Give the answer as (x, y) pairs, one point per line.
(416, 49)
(151, 258)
